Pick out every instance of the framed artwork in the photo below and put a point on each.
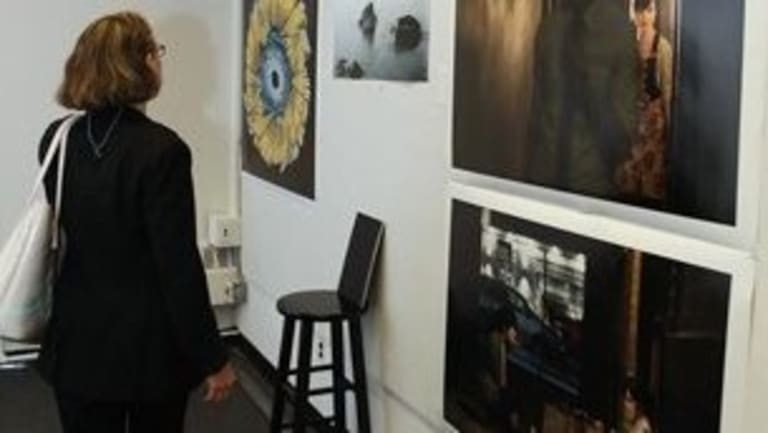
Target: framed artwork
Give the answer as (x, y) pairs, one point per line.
(381, 40)
(280, 52)
(634, 101)
(552, 331)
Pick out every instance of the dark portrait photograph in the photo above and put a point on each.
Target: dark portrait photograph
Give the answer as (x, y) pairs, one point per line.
(633, 101)
(554, 332)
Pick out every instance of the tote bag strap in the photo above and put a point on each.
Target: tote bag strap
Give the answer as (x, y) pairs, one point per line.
(59, 142)
(56, 232)
(52, 147)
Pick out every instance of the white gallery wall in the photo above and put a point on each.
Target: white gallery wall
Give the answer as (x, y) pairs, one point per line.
(758, 376)
(385, 148)
(382, 148)
(757, 382)
(197, 99)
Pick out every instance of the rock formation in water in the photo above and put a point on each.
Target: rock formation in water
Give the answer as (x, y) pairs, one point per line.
(340, 70)
(356, 71)
(408, 33)
(368, 21)
(345, 69)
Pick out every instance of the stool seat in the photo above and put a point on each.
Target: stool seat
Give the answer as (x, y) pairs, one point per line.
(316, 305)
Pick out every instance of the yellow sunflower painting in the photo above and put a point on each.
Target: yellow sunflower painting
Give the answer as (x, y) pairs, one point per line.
(277, 95)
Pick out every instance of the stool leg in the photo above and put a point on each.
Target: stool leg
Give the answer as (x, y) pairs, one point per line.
(361, 382)
(339, 378)
(302, 383)
(286, 347)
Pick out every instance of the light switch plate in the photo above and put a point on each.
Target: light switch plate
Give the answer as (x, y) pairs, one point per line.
(224, 231)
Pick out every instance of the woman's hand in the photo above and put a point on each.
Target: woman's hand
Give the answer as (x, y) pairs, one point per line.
(219, 385)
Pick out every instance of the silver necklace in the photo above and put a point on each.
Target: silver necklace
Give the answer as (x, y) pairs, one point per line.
(98, 145)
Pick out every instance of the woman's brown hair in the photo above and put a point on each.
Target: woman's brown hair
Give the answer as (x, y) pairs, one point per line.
(108, 66)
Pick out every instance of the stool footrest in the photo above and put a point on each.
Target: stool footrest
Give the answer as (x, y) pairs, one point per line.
(291, 394)
(315, 369)
(346, 386)
(325, 421)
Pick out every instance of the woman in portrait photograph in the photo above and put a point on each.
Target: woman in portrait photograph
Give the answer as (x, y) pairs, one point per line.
(638, 411)
(643, 174)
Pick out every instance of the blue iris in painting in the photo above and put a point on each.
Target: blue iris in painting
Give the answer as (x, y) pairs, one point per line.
(275, 73)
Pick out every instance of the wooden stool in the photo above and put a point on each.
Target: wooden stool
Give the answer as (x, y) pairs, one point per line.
(345, 305)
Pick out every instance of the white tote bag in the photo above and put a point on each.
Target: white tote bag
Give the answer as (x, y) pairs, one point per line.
(28, 260)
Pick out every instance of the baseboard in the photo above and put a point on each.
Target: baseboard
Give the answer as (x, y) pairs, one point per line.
(254, 356)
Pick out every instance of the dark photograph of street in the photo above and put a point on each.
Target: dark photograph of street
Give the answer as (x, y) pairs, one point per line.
(552, 332)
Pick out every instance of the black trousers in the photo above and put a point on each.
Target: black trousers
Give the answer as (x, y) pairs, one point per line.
(79, 415)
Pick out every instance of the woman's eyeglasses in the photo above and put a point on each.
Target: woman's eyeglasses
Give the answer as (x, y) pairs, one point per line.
(161, 50)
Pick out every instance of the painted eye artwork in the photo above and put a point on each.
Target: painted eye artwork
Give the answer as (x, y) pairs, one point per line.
(277, 81)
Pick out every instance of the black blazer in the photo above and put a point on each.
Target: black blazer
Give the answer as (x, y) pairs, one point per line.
(131, 318)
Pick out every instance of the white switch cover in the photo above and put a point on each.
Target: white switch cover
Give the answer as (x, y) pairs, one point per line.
(223, 285)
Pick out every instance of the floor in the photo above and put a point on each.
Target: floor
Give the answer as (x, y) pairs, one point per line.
(26, 404)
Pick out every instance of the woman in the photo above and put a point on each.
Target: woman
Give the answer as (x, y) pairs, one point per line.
(637, 410)
(644, 173)
(132, 330)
